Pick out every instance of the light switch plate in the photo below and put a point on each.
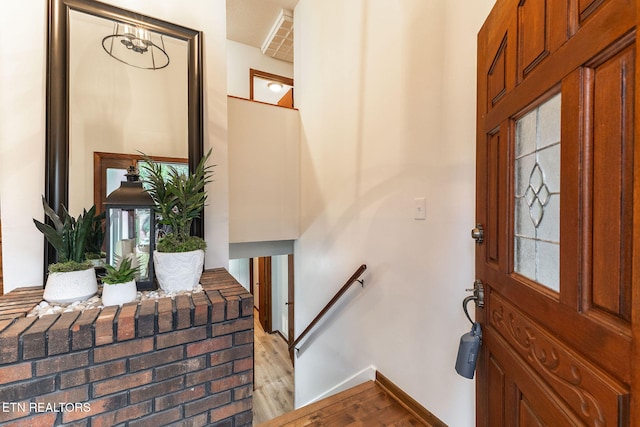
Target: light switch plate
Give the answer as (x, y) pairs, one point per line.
(420, 208)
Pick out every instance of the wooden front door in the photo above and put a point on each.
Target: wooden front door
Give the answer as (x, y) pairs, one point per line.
(558, 197)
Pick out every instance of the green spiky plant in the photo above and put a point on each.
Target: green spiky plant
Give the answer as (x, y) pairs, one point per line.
(68, 237)
(122, 274)
(95, 238)
(179, 200)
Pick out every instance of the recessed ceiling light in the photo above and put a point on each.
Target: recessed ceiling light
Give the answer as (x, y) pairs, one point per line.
(275, 87)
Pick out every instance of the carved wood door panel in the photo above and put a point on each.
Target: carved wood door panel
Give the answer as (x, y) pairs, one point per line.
(559, 199)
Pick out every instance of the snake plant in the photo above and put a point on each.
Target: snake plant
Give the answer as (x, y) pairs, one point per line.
(68, 236)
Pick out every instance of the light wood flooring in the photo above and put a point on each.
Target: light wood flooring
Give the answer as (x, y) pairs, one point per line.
(273, 376)
(366, 405)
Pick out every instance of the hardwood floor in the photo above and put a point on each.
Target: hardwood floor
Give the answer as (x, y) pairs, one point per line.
(273, 394)
(366, 405)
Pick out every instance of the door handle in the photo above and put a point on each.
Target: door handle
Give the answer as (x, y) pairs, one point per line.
(478, 294)
(477, 297)
(477, 233)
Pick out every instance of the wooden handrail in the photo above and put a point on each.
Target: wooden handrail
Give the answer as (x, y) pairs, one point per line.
(330, 304)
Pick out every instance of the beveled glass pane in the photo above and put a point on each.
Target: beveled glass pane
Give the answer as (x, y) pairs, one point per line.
(536, 211)
(537, 195)
(536, 178)
(548, 129)
(524, 165)
(526, 134)
(525, 253)
(549, 228)
(548, 264)
(523, 225)
(549, 160)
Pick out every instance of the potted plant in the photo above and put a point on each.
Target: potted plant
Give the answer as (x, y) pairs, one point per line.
(93, 248)
(119, 283)
(71, 278)
(179, 198)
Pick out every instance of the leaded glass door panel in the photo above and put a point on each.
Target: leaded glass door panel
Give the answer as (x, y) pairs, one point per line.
(537, 194)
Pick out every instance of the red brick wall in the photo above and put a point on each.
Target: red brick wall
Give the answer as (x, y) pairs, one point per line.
(186, 362)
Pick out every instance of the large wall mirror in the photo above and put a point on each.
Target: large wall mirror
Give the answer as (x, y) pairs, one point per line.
(97, 100)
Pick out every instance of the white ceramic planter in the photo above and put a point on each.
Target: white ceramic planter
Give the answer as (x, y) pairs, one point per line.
(178, 271)
(119, 293)
(70, 286)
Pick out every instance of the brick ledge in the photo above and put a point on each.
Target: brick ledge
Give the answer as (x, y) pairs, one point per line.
(25, 338)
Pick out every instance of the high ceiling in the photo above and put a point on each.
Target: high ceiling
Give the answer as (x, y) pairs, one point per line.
(250, 21)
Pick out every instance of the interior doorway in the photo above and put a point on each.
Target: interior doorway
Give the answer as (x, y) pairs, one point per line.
(270, 280)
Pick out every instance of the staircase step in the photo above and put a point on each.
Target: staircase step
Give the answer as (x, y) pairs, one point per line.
(366, 405)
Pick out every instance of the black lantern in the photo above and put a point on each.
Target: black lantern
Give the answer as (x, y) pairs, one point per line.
(130, 228)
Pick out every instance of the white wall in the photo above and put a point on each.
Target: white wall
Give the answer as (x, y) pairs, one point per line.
(22, 134)
(22, 126)
(241, 58)
(239, 269)
(264, 172)
(402, 127)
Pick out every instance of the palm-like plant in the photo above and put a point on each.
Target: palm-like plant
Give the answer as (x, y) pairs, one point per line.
(68, 236)
(179, 200)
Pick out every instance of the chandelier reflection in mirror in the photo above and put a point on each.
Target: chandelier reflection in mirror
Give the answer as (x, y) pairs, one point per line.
(136, 46)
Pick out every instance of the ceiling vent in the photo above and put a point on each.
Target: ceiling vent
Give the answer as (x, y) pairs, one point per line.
(279, 42)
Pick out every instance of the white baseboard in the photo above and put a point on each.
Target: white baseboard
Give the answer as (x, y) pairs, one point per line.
(368, 373)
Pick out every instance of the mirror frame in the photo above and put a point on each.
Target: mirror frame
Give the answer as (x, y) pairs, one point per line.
(57, 107)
